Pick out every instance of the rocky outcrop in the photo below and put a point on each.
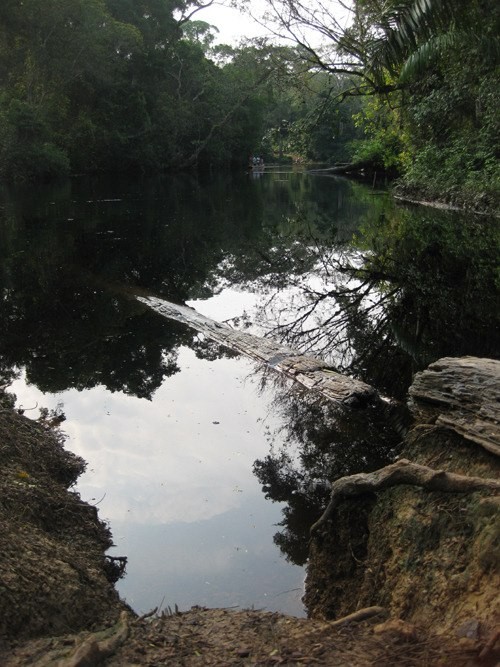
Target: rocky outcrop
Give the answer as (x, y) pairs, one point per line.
(461, 394)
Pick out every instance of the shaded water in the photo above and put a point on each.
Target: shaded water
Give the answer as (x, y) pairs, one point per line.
(171, 425)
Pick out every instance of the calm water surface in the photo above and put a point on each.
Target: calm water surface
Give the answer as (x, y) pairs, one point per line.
(169, 424)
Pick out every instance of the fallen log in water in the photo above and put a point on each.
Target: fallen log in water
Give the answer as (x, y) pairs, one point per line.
(308, 371)
(462, 394)
(360, 166)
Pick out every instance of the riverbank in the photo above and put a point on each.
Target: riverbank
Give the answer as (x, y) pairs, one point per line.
(53, 572)
(231, 638)
(479, 203)
(422, 565)
(453, 199)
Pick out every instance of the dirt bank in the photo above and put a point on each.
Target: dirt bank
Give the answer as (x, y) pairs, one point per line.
(479, 203)
(432, 558)
(53, 574)
(230, 638)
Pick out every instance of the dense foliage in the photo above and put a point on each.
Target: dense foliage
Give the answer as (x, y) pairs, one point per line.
(427, 74)
(410, 88)
(438, 123)
(92, 85)
(450, 96)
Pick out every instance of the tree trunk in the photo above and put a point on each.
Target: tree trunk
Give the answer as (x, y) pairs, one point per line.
(349, 168)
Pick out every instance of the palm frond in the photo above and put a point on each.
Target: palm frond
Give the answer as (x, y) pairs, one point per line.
(426, 53)
(413, 33)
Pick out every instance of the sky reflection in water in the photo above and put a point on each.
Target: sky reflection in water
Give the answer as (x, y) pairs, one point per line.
(177, 488)
(173, 476)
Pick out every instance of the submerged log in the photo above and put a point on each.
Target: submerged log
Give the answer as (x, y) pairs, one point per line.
(307, 370)
(462, 394)
(360, 166)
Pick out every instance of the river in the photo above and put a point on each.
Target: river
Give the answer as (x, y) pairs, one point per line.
(199, 461)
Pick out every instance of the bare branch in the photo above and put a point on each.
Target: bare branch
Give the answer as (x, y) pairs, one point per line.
(198, 7)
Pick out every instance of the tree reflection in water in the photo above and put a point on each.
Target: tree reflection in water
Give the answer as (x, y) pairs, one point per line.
(412, 289)
(339, 270)
(323, 441)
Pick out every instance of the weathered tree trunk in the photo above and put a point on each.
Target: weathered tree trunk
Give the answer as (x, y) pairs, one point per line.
(462, 394)
(401, 472)
(308, 371)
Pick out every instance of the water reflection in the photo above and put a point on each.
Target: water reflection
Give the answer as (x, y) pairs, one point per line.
(173, 476)
(67, 256)
(142, 394)
(318, 441)
(412, 286)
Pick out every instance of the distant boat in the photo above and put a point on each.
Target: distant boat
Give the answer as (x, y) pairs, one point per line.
(256, 164)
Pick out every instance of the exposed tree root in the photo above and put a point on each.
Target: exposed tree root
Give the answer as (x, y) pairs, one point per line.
(99, 646)
(93, 650)
(401, 472)
(489, 647)
(358, 616)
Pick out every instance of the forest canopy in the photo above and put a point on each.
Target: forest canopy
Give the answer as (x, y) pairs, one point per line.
(93, 85)
(408, 88)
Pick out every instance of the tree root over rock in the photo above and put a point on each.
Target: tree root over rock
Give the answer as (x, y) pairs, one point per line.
(401, 472)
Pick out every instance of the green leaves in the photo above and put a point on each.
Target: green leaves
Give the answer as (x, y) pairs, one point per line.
(409, 36)
(113, 85)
